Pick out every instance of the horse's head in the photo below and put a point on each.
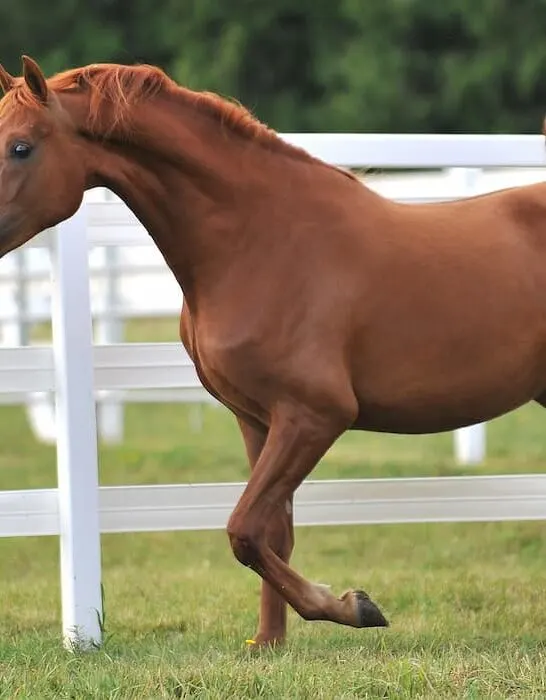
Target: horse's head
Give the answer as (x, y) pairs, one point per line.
(42, 169)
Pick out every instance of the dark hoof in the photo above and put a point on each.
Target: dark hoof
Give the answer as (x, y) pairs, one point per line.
(368, 614)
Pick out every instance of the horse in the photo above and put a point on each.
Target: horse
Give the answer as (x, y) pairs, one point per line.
(312, 305)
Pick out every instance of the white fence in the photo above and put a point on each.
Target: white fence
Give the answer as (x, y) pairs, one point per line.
(78, 510)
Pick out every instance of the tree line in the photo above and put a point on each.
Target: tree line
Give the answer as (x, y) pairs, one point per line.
(314, 65)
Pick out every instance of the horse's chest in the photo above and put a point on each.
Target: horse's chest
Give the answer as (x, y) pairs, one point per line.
(221, 370)
(211, 379)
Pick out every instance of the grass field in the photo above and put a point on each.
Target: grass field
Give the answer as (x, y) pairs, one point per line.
(466, 602)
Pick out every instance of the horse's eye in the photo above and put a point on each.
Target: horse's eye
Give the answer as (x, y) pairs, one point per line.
(20, 150)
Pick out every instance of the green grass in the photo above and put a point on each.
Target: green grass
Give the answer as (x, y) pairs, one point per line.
(466, 601)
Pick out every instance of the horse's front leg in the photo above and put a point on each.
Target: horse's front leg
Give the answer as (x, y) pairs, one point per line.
(297, 439)
(280, 537)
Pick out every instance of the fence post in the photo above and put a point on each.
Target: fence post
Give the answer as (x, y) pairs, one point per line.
(109, 330)
(77, 458)
(469, 442)
(39, 405)
(21, 297)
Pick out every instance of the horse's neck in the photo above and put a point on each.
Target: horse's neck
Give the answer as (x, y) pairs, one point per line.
(179, 173)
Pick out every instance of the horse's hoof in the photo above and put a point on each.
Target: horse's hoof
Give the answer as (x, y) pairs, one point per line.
(368, 614)
(262, 643)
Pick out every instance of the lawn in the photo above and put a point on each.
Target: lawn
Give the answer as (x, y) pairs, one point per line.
(466, 601)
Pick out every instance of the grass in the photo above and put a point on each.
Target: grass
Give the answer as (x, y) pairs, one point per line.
(466, 601)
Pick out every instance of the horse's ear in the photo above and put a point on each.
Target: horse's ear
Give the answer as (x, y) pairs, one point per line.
(7, 81)
(34, 78)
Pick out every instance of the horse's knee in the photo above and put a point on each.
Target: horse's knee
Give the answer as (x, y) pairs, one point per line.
(244, 545)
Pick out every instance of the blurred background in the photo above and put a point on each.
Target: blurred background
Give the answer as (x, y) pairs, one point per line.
(314, 65)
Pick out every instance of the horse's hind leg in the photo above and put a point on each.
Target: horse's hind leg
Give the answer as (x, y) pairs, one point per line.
(297, 439)
(280, 537)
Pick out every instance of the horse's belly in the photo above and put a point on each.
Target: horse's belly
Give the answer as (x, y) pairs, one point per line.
(436, 411)
(430, 418)
(412, 396)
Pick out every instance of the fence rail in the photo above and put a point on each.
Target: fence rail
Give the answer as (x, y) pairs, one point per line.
(78, 510)
(346, 502)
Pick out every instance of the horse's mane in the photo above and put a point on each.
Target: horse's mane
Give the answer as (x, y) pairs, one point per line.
(124, 86)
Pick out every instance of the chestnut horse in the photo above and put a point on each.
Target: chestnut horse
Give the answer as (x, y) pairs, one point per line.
(312, 305)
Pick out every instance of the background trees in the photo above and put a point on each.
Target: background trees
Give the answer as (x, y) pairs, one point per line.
(349, 65)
